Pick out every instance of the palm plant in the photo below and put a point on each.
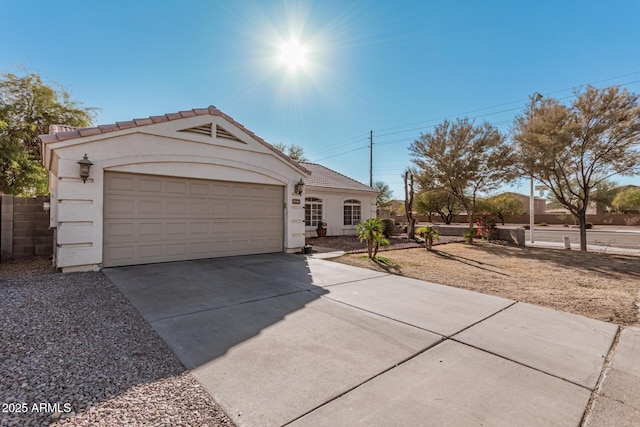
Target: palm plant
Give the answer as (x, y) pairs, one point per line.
(371, 231)
(429, 233)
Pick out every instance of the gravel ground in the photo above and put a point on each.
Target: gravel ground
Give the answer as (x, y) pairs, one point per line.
(74, 341)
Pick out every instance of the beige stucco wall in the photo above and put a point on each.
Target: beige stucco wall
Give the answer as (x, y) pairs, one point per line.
(333, 212)
(158, 149)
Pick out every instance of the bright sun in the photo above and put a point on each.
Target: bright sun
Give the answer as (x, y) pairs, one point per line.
(293, 54)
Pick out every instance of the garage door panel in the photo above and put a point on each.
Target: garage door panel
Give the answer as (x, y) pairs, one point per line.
(269, 210)
(176, 249)
(150, 251)
(257, 193)
(119, 206)
(187, 219)
(150, 185)
(119, 183)
(221, 228)
(119, 254)
(242, 209)
(150, 230)
(146, 208)
(220, 189)
(239, 228)
(176, 228)
(199, 189)
(273, 193)
(120, 230)
(241, 191)
(199, 248)
(199, 228)
(218, 247)
(221, 209)
(175, 208)
(177, 187)
(240, 245)
(199, 207)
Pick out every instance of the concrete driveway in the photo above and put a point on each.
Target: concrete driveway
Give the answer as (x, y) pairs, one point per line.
(285, 339)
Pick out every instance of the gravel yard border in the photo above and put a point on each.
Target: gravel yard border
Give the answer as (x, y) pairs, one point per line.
(76, 348)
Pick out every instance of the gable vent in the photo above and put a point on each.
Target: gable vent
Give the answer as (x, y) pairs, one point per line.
(223, 133)
(202, 129)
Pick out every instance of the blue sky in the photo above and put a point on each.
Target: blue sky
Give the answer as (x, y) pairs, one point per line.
(394, 67)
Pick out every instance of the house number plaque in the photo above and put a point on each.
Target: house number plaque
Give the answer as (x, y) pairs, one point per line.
(295, 201)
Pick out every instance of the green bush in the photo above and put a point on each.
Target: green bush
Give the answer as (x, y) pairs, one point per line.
(469, 234)
(389, 227)
(588, 226)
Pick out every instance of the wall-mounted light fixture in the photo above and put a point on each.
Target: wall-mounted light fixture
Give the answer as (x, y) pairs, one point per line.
(299, 187)
(85, 167)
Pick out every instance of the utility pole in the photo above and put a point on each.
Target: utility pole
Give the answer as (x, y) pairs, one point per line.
(370, 158)
(532, 202)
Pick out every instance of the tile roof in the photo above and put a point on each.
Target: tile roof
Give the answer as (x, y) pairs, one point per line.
(62, 133)
(326, 178)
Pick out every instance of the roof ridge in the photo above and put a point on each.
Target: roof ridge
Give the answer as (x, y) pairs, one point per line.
(151, 120)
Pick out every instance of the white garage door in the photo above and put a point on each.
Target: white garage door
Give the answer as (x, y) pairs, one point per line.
(150, 218)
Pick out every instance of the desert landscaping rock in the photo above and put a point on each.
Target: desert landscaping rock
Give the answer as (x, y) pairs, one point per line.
(73, 351)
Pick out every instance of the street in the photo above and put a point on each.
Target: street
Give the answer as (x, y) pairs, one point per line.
(622, 238)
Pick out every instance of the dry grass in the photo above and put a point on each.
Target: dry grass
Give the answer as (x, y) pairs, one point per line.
(596, 285)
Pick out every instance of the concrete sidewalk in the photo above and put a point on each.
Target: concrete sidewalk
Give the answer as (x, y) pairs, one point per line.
(590, 248)
(618, 398)
(287, 339)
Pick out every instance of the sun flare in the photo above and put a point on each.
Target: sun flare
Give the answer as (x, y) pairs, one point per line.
(293, 54)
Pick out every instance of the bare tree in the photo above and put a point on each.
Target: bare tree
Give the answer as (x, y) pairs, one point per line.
(408, 204)
(572, 149)
(463, 159)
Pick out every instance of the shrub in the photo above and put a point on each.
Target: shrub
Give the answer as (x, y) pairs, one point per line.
(389, 227)
(588, 226)
(468, 235)
(543, 224)
(429, 233)
(486, 227)
(371, 232)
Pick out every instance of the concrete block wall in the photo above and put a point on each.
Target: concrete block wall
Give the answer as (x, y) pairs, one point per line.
(514, 235)
(25, 228)
(6, 227)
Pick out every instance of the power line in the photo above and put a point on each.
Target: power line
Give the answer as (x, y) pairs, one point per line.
(338, 146)
(411, 139)
(498, 105)
(344, 152)
(397, 141)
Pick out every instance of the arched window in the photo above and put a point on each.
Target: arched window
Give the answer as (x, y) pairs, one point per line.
(352, 212)
(312, 211)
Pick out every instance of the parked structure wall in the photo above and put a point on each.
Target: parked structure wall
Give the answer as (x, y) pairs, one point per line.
(24, 231)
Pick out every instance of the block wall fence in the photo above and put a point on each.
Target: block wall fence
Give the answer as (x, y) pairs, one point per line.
(24, 230)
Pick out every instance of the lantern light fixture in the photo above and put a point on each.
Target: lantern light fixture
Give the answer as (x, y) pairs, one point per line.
(85, 167)
(299, 187)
